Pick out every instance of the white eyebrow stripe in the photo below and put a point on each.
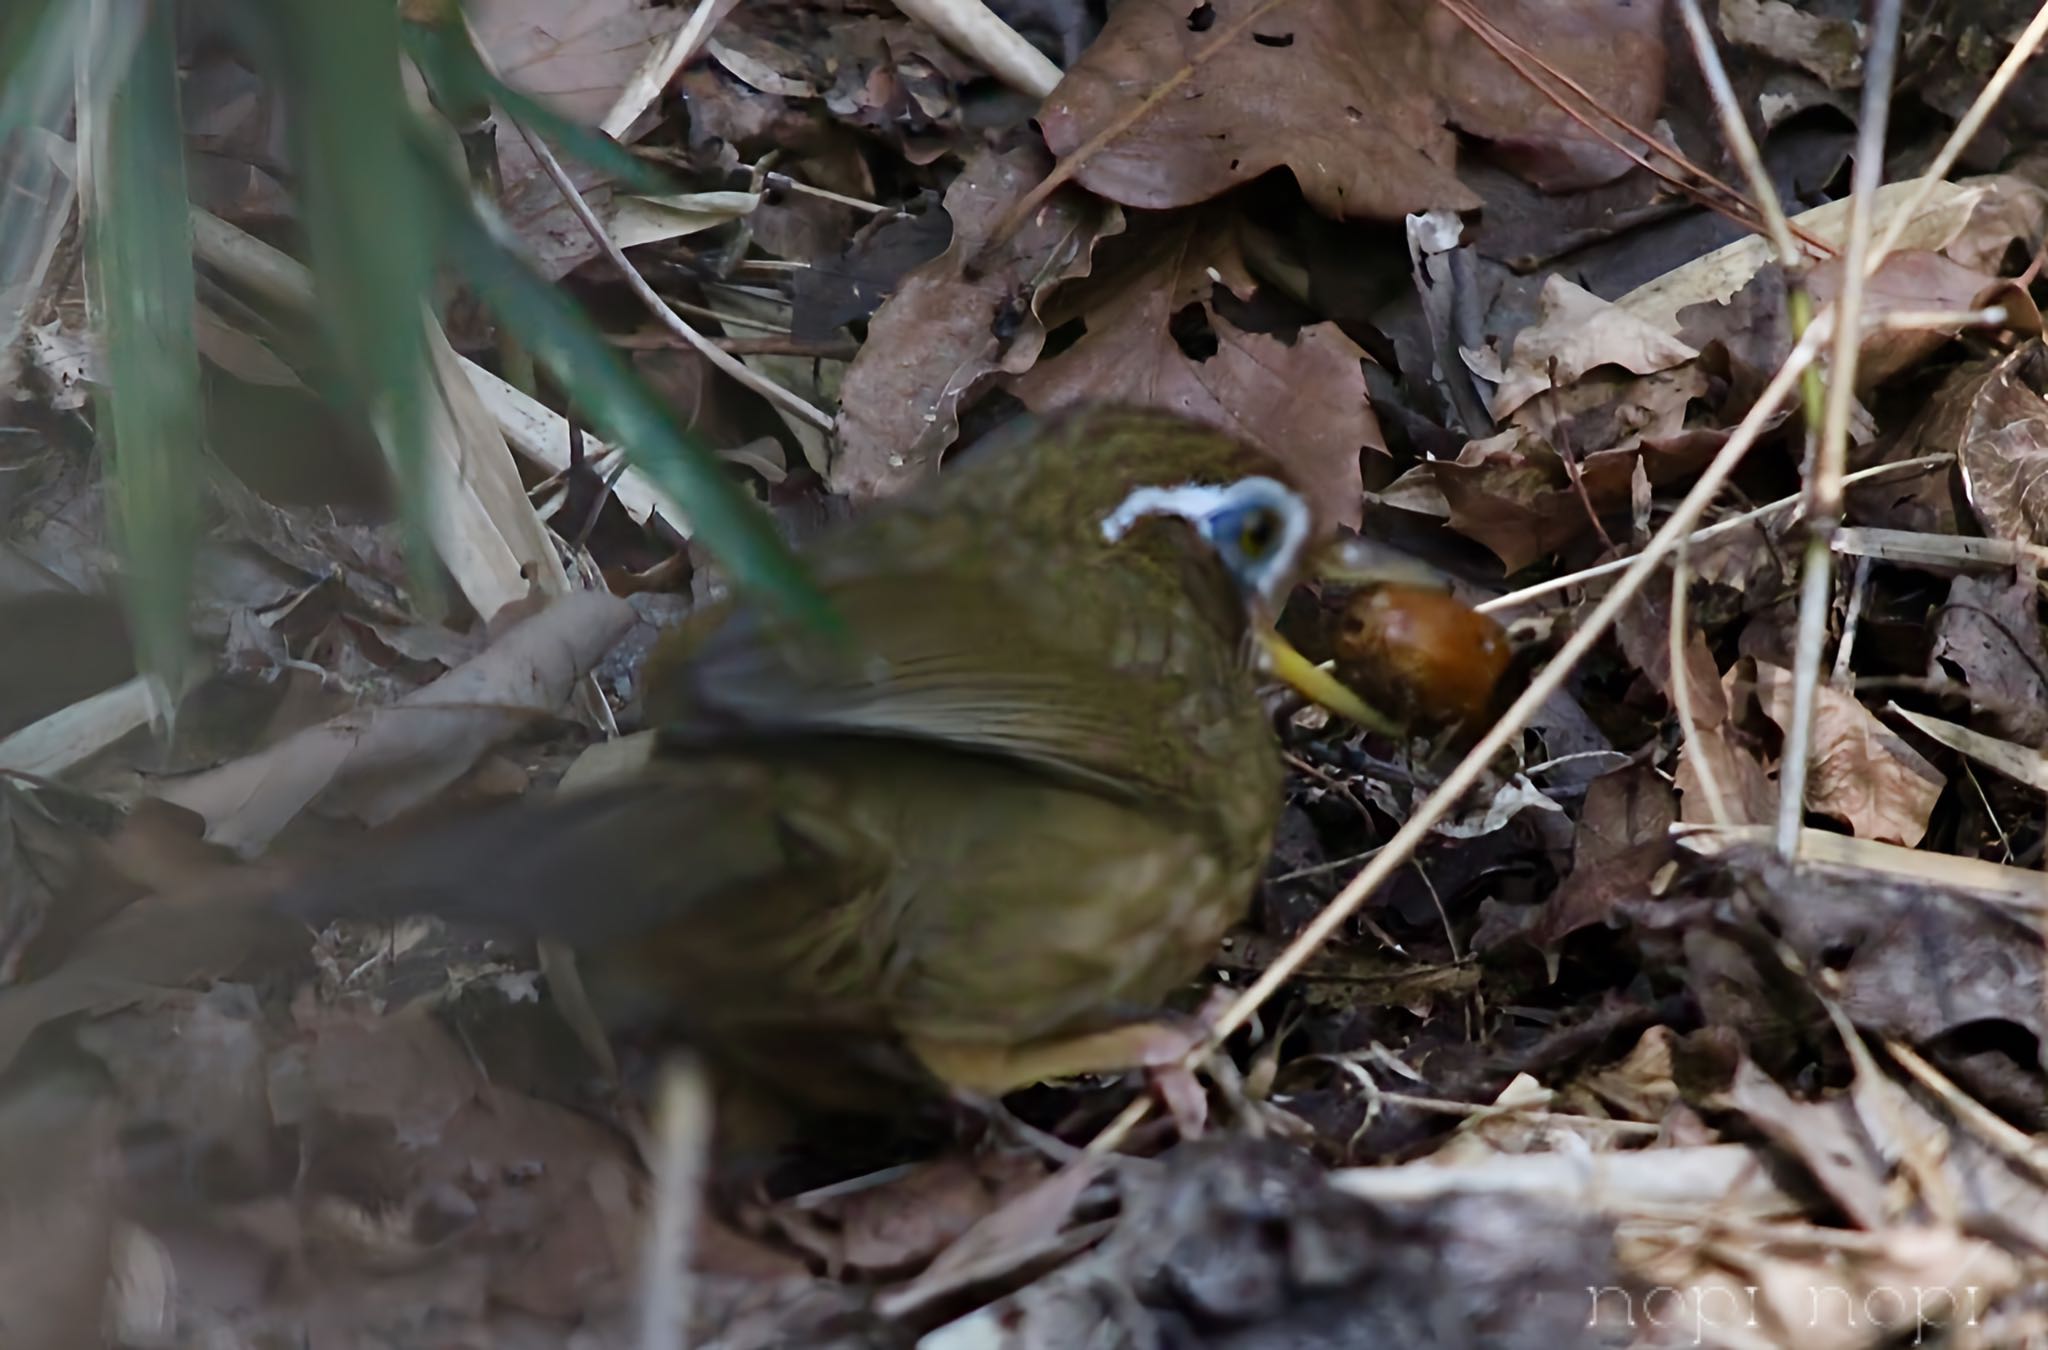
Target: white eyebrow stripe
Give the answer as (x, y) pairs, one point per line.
(1189, 501)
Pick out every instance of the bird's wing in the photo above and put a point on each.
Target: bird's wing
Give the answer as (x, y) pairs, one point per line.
(1102, 674)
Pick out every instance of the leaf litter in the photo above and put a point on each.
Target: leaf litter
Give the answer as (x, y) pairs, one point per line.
(1599, 1067)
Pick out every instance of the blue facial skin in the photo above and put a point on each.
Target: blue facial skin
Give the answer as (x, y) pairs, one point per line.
(1248, 535)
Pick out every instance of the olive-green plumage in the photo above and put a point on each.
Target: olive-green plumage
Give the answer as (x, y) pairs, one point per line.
(1017, 801)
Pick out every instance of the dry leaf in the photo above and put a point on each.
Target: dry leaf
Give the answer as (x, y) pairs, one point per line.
(1863, 773)
(1577, 333)
(946, 330)
(375, 764)
(1157, 338)
(1172, 104)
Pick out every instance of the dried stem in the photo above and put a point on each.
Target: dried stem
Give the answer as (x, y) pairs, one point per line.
(1824, 487)
(660, 308)
(1401, 848)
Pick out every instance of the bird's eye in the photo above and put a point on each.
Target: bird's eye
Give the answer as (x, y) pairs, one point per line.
(1258, 533)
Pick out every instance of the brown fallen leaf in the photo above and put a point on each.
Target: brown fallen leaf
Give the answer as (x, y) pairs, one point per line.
(1157, 338)
(1909, 281)
(1743, 787)
(576, 62)
(1988, 633)
(60, 1161)
(1513, 492)
(1173, 104)
(950, 327)
(1992, 415)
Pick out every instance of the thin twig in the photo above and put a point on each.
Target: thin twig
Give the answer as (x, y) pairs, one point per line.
(1502, 43)
(660, 308)
(1845, 650)
(1904, 468)
(1824, 488)
(831, 349)
(776, 178)
(1735, 132)
(1440, 803)
(681, 1145)
(1966, 130)
(1988, 1125)
(659, 70)
(976, 30)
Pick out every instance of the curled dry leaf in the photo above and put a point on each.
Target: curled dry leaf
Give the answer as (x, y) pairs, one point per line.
(1863, 773)
(1577, 333)
(1157, 338)
(1623, 841)
(373, 765)
(948, 328)
(1909, 281)
(1830, 50)
(1972, 223)
(1993, 417)
(1989, 634)
(1513, 492)
(1742, 785)
(1752, 328)
(1176, 103)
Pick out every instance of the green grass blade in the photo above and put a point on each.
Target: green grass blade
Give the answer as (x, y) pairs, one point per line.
(37, 42)
(142, 306)
(626, 412)
(365, 219)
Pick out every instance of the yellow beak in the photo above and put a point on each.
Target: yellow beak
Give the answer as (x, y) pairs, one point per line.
(1354, 562)
(1319, 686)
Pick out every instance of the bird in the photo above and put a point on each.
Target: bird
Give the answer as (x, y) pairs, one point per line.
(973, 836)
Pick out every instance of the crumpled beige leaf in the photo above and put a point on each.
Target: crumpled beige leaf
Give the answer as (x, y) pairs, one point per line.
(1830, 50)
(1972, 222)
(1576, 333)
(1863, 773)
(375, 764)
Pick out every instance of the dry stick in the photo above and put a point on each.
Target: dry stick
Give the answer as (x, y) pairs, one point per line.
(682, 1142)
(1903, 468)
(1845, 650)
(1830, 461)
(661, 66)
(1913, 320)
(1396, 852)
(658, 307)
(975, 29)
(1999, 1134)
(1966, 130)
(1735, 131)
(1500, 41)
(1681, 689)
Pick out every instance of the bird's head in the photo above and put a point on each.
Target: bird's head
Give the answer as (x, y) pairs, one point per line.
(1149, 485)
